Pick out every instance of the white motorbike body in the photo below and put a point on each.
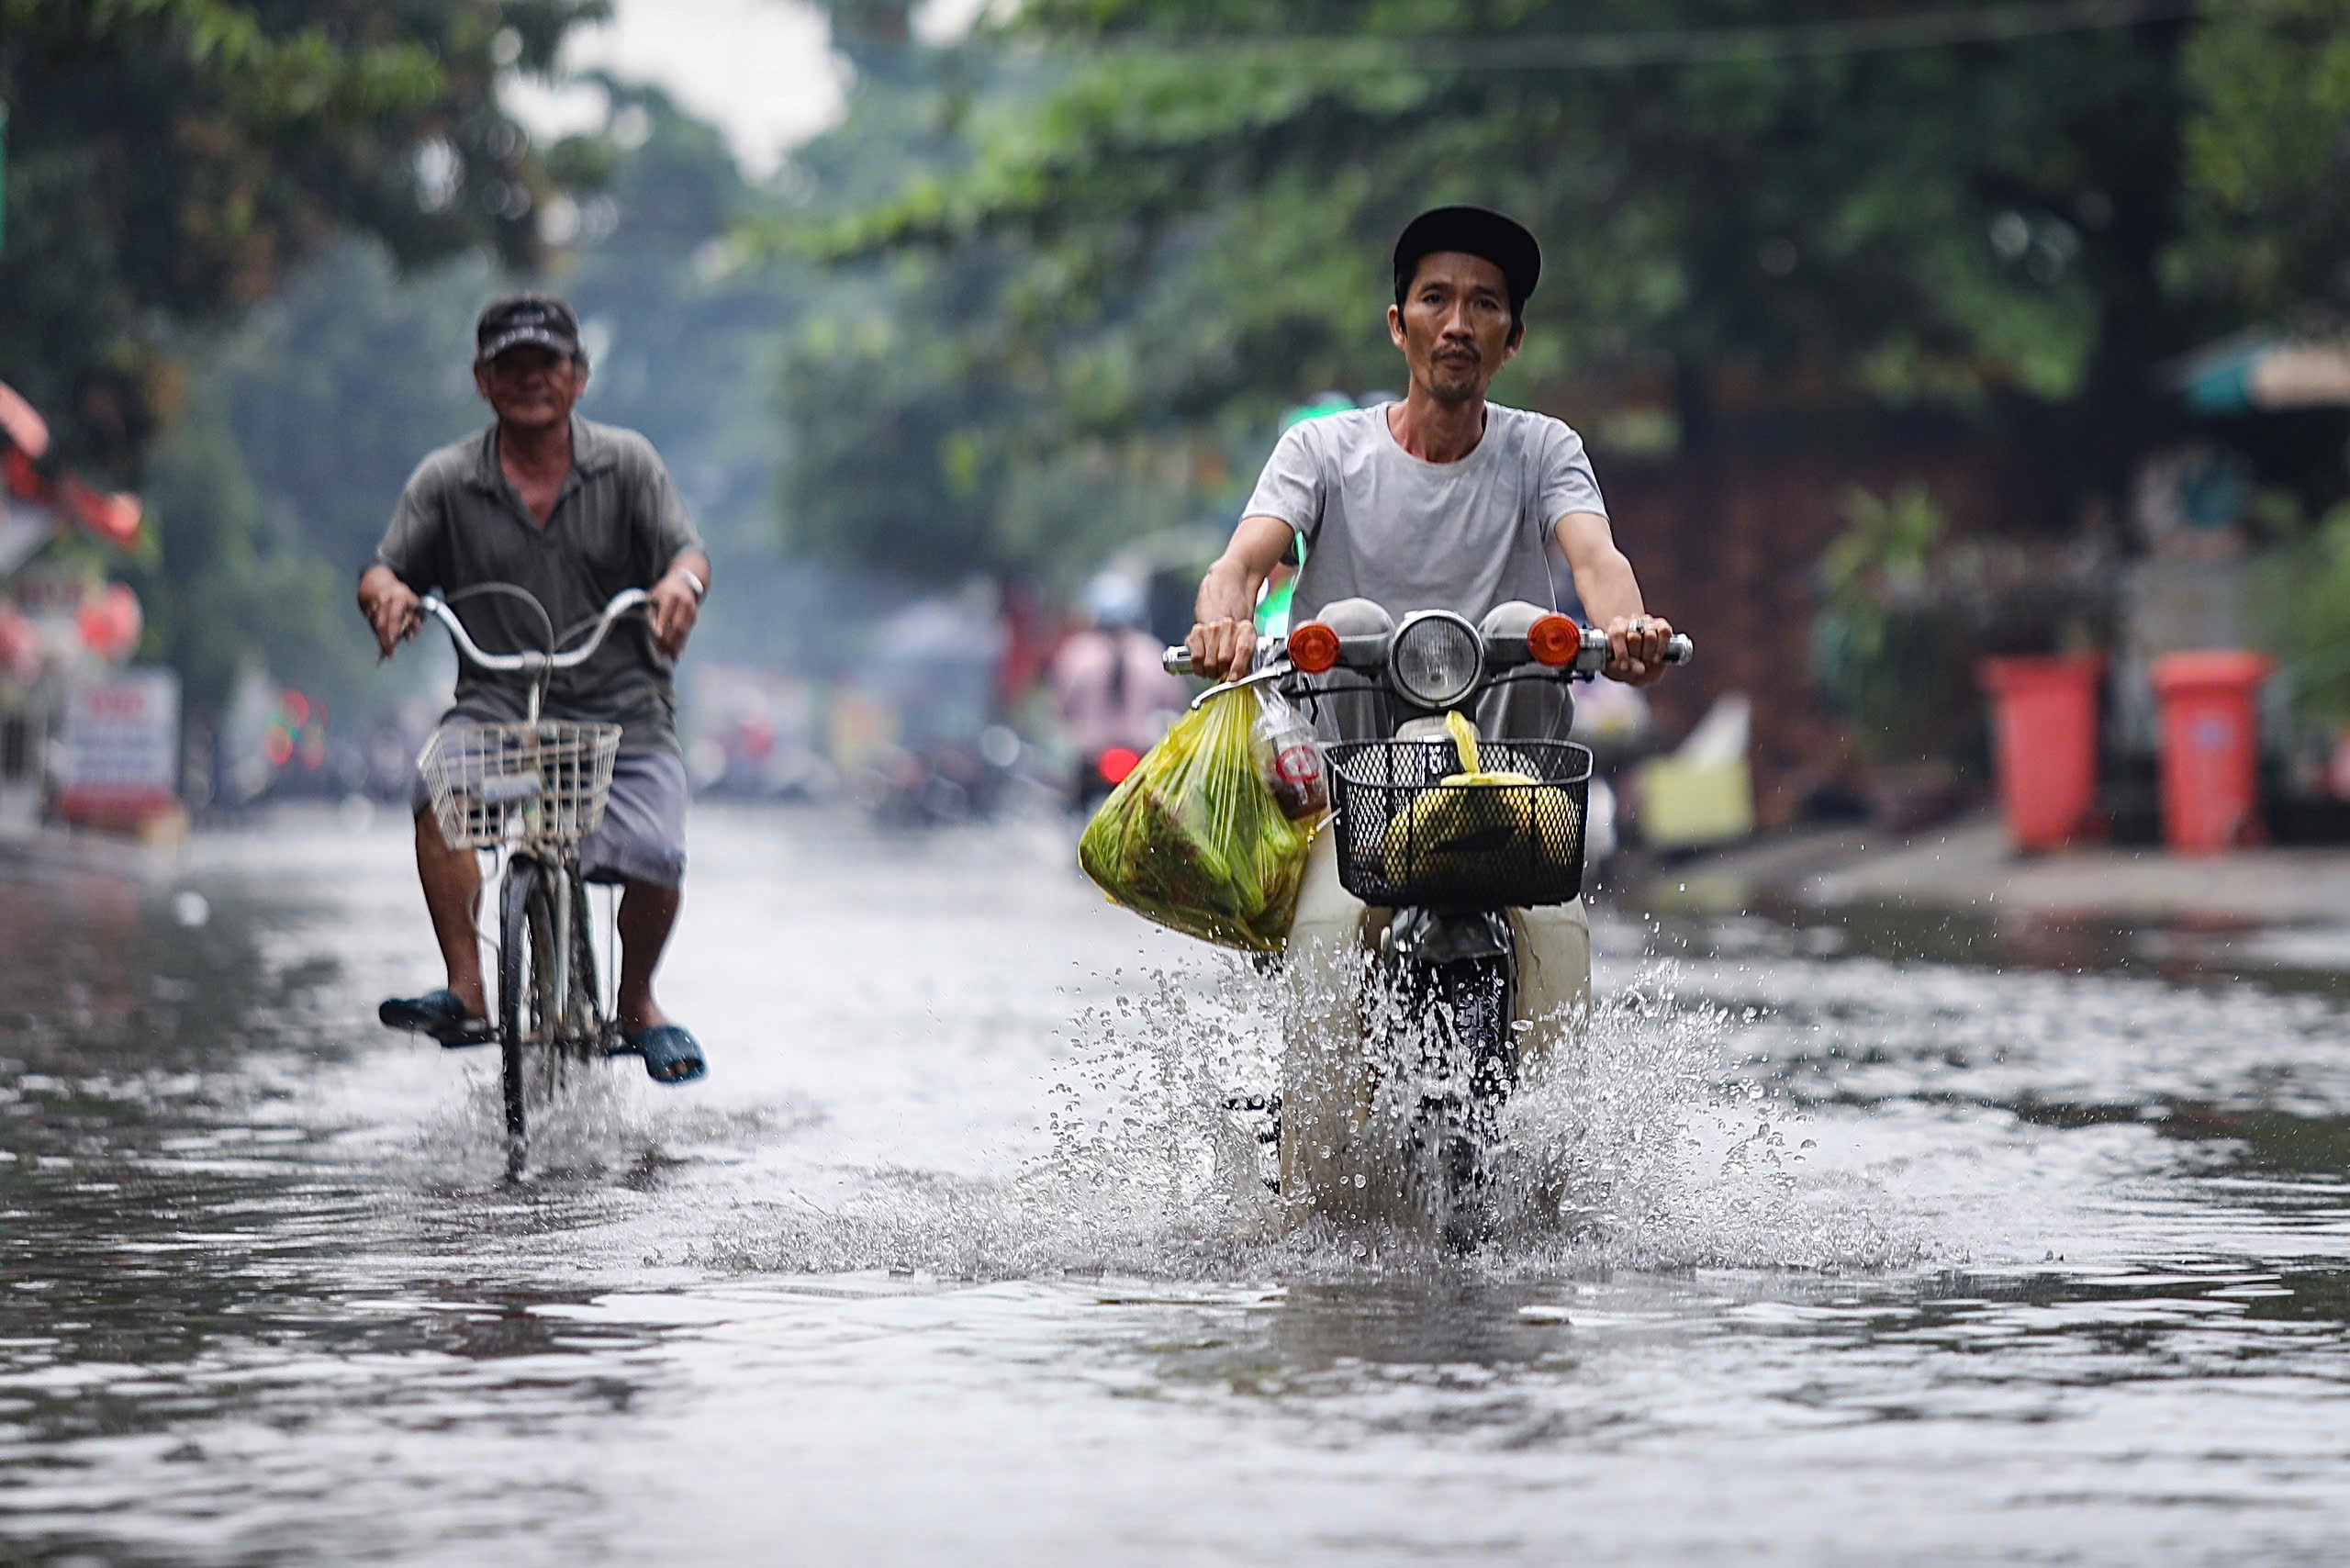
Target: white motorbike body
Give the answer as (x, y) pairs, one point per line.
(1328, 1063)
(1407, 1028)
(1331, 1130)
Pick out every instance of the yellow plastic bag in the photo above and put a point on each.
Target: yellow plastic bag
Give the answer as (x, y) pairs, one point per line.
(1194, 839)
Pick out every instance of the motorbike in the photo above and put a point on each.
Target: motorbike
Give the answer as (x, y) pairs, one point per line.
(1098, 773)
(1447, 854)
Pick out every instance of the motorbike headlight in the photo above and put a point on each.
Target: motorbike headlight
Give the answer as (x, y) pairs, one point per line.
(1436, 659)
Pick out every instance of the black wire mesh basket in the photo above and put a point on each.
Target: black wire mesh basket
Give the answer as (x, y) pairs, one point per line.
(1406, 837)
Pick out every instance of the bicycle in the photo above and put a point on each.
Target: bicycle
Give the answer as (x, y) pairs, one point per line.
(527, 791)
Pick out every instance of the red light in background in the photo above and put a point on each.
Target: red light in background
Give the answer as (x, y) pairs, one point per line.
(295, 706)
(1116, 763)
(278, 746)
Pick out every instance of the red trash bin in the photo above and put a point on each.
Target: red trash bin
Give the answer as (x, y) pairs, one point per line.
(2043, 727)
(2210, 747)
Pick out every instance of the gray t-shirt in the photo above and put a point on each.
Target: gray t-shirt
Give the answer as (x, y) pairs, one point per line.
(617, 524)
(1380, 524)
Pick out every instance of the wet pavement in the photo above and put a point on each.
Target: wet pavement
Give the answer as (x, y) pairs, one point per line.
(1900, 1235)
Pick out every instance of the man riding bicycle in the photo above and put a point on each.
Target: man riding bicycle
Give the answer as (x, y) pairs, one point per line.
(573, 512)
(1441, 501)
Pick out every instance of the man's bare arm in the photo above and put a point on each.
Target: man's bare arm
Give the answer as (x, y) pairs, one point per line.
(676, 604)
(390, 607)
(1611, 597)
(1225, 638)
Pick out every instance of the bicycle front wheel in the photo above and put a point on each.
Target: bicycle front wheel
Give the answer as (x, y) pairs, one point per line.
(527, 1009)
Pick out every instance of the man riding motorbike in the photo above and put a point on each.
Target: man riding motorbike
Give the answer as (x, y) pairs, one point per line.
(573, 512)
(1441, 501)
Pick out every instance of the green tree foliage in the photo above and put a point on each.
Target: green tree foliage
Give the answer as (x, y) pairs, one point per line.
(2267, 158)
(954, 409)
(174, 163)
(270, 492)
(686, 316)
(1126, 233)
(2310, 581)
(1786, 203)
(232, 584)
(885, 400)
(175, 159)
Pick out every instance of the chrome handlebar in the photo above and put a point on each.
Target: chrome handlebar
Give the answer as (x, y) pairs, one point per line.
(532, 662)
(1678, 650)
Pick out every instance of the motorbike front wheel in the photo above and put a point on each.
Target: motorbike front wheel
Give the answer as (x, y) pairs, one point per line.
(1460, 1067)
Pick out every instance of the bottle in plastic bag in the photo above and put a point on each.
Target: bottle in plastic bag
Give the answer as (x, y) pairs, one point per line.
(1289, 755)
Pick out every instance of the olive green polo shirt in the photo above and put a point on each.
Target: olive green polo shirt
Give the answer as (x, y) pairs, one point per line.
(617, 523)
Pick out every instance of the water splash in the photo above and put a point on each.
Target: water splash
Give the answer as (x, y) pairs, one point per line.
(589, 1126)
(1643, 1145)
(1646, 1144)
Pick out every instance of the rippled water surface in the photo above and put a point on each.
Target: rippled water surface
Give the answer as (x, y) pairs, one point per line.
(1890, 1240)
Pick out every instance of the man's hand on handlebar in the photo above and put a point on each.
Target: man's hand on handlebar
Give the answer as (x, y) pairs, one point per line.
(390, 607)
(1636, 648)
(673, 607)
(1223, 650)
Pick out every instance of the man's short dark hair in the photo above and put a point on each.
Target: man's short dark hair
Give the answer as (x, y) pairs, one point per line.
(518, 320)
(1474, 231)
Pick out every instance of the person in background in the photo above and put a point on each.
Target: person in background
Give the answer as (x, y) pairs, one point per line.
(1114, 695)
(573, 512)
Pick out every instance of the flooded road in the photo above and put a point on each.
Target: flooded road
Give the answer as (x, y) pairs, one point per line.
(1898, 1241)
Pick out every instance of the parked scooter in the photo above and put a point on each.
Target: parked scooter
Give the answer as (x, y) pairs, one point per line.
(1447, 852)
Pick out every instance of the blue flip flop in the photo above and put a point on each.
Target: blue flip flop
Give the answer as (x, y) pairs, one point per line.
(671, 1053)
(439, 1013)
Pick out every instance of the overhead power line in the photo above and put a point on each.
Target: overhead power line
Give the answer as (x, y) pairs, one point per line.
(1776, 40)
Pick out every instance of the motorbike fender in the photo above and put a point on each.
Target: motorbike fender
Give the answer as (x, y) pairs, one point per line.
(1425, 937)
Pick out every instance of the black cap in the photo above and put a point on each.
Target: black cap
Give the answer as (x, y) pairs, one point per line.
(520, 319)
(1473, 231)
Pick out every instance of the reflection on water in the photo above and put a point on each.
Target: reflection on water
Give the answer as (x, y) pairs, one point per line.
(1897, 1239)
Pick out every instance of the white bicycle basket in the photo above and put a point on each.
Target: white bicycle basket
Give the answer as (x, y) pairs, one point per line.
(493, 783)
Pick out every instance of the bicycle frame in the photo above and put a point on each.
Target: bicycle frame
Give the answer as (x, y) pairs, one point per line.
(550, 995)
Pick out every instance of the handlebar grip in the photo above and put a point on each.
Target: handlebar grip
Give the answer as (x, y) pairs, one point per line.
(1679, 649)
(1176, 661)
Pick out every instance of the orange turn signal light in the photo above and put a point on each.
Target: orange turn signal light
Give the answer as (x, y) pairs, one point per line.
(1554, 640)
(1313, 648)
